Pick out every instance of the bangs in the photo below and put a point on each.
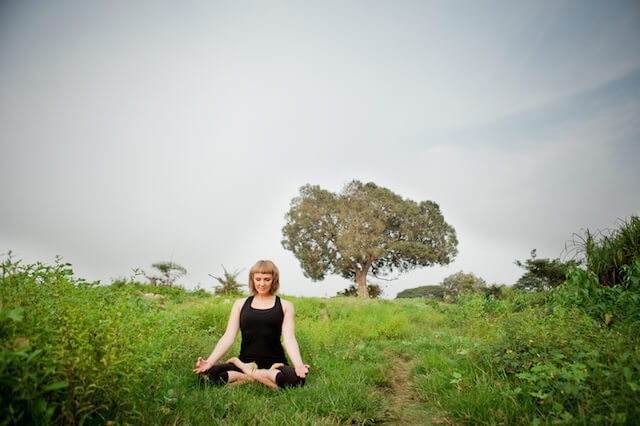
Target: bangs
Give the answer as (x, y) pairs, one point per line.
(264, 267)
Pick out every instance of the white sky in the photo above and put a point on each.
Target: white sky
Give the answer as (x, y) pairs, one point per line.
(133, 132)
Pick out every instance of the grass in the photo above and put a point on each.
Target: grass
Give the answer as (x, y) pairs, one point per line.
(607, 252)
(77, 353)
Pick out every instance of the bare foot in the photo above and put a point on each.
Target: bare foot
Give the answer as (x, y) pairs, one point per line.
(239, 381)
(276, 366)
(246, 367)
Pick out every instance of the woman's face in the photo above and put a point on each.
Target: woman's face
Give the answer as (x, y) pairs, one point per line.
(262, 283)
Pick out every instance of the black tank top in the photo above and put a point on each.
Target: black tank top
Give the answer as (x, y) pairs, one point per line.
(261, 331)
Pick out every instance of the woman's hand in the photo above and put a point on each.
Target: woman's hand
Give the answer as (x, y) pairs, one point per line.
(302, 370)
(202, 366)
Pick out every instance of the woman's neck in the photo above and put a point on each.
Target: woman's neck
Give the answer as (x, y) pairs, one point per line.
(264, 297)
(263, 301)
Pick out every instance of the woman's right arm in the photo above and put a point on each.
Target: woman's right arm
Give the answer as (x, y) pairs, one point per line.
(225, 342)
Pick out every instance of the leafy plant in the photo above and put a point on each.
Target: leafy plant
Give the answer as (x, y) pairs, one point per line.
(229, 284)
(607, 252)
(611, 306)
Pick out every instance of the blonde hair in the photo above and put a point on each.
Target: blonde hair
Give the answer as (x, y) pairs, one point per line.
(265, 267)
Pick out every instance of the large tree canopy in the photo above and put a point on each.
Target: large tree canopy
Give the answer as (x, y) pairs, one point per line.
(365, 229)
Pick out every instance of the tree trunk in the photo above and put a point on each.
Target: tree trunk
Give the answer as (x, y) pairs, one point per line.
(361, 281)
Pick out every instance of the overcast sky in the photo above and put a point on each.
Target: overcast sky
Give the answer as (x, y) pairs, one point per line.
(133, 132)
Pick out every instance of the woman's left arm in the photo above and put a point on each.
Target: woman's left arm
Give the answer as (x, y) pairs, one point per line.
(289, 339)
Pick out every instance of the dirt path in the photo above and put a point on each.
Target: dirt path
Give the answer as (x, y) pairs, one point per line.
(404, 407)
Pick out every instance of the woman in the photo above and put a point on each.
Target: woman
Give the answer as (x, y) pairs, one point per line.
(263, 319)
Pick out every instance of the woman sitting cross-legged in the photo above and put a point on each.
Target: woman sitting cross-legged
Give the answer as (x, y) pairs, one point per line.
(263, 319)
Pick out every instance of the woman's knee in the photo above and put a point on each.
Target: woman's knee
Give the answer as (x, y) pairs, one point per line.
(218, 374)
(288, 377)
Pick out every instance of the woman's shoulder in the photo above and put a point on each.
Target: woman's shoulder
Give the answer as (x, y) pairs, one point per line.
(286, 305)
(240, 302)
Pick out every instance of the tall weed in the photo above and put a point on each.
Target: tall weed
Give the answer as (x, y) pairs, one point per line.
(608, 252)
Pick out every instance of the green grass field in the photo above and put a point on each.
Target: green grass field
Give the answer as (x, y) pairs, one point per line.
(75, 353)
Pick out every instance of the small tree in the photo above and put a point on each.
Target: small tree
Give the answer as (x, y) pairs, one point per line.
(543, 274)
(170, 273)
(461, 281)
(229, 285)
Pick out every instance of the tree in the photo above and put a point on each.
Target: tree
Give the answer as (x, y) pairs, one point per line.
(374, 291)
(365, 229)
(170, 273)
(543, 274)
(461, 281)
(229, 284)
(429, 291)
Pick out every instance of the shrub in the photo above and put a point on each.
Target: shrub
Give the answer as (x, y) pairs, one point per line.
(562, 356)
(618, 305)
(607, 252)
(76, 353)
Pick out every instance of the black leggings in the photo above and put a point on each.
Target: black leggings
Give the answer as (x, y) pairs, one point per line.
(219, 375)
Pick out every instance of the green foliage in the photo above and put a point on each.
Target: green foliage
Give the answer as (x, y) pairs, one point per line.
(79, 353)
(568, 357)
(75, 353)
(373, 290)
(461, 282)
(229, 285)
(617, 306)
(607, 252)
(495, 290)
(543, 274)
(519, 300)
(562, 365)
(365, 229)
(436, 292)
(560, 357)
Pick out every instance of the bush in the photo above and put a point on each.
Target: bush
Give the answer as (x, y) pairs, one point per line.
(606, 253)
(562, 357)
(618, 305)
(76, 353)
